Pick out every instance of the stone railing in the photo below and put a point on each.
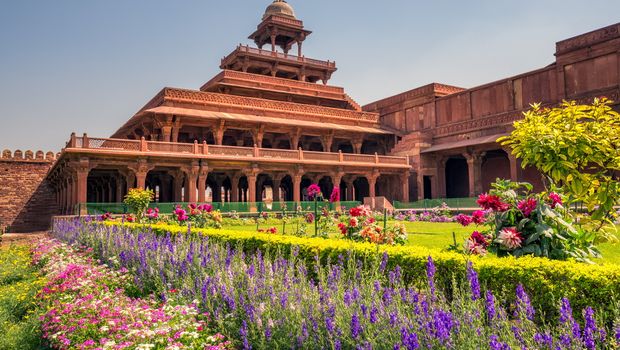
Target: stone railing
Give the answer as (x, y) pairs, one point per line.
(203, 150)
(258, 78)
(280, 55)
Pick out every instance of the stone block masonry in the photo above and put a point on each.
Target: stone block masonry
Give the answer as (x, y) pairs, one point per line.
(27, 201)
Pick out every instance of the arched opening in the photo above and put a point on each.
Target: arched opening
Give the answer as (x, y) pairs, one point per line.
(264, 188)
(162, 184)
(495, 165)
(326, 185)
(457, 178)
(305, 183)
(372, 147)
(286, 188)
(345, 146)
(239, 138)
(362, 188)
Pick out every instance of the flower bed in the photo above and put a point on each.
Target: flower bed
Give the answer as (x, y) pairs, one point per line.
(268, 300)
(20, 282)
(89, 309)
(546, 280)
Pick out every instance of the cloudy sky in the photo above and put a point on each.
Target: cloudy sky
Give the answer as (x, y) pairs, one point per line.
(87, 66)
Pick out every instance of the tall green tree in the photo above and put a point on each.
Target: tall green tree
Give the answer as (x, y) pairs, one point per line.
(577, 148)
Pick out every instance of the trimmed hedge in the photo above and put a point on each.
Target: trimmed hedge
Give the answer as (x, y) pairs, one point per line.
(546, 281)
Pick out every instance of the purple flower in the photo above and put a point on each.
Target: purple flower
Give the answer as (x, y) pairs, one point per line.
(490, 305)
(409, 339)
(356, 328)
(474, 284)
(524, 306)
(589, 329)
(430, 275)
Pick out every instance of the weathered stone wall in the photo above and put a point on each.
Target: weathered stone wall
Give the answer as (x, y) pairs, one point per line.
(27, 202)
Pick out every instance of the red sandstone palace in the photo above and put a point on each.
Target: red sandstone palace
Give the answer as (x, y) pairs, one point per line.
(269, 125)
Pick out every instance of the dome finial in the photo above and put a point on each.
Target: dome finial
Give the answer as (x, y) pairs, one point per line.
(279, 8)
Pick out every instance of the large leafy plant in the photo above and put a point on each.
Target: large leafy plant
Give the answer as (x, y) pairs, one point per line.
(138, 201)
(520, 222)
(577, 147)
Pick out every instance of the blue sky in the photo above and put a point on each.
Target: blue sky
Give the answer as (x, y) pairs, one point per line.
(87, 66)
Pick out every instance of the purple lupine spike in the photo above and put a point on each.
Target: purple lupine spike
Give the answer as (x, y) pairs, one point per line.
(430, 275)
(474, 284)
(524, 306)
(589, 329)
(356, 328)
(490, 305)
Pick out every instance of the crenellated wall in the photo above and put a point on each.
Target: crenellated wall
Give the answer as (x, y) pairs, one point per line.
(27, 201)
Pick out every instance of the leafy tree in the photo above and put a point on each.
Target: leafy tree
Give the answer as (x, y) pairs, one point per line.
(138, 201)
(577, 147)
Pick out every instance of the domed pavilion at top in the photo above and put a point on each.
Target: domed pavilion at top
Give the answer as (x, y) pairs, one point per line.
(279, 28)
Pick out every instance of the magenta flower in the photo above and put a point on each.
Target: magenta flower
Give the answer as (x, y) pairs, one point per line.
(335, 196)
(527, 206)
(314, 191)
(555, 199)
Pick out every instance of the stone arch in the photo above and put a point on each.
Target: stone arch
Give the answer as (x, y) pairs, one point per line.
(264, 187)
(29, 155)
(39, 155)
(6, 154)
(18, 154)
(286, 188)
(105, 186)
(50, 156)
(327, 185)
(457, 177)
(162, 184)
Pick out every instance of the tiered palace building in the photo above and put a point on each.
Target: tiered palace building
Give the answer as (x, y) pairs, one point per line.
(269, 124)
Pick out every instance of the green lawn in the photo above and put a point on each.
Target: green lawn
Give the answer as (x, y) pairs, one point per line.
(439, 236)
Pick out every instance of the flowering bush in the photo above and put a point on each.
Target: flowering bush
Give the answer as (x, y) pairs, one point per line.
(202, 216)
(272, 230)
(524, 223)
(314, 192)
(361, 226)
(88, 308)
(275, 301)
(138, 200)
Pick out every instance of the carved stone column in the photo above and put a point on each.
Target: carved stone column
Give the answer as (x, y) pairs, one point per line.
(234, 188)
(251, 175)
(295, 136)
(296, 176)
(191, 174)
(202, 183)
(372, 184)
(404, 180)
(219, 133)
(357, 143)
(276, 189)
(474, 167)
(166, 133)
(81, 192)
(119, 189)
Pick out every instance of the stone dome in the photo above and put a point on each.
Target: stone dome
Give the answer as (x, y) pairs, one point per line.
(279, 8)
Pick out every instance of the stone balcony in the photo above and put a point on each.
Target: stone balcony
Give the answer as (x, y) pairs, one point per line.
(85, 146)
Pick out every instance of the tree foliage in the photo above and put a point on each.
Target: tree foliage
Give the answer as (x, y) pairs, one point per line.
(577, 147)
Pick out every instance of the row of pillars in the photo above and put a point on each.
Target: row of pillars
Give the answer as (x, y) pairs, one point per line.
(474, 173)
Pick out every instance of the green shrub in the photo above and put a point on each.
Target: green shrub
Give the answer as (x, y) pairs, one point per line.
(138, 201)
(545, 280)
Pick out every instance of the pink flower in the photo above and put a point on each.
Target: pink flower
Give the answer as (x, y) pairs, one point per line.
(314, 191)
(510, 238)
(478, 217)
(527, 206)
(335, 196)
(464, 219)
(205, 207)
(555, 199)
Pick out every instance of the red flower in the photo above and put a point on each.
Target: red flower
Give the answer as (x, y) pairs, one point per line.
(527, 206)
(173, 291)
(343, 228)
(478, 238)
(335, 196)
(356, 211)
(492, 202)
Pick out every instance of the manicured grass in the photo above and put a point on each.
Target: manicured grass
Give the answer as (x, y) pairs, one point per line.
(436, 235)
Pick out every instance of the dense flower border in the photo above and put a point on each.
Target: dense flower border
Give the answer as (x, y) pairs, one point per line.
(274, 301)
(88, 308)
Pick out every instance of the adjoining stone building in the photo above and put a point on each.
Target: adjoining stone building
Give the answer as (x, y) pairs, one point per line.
(269, 125)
